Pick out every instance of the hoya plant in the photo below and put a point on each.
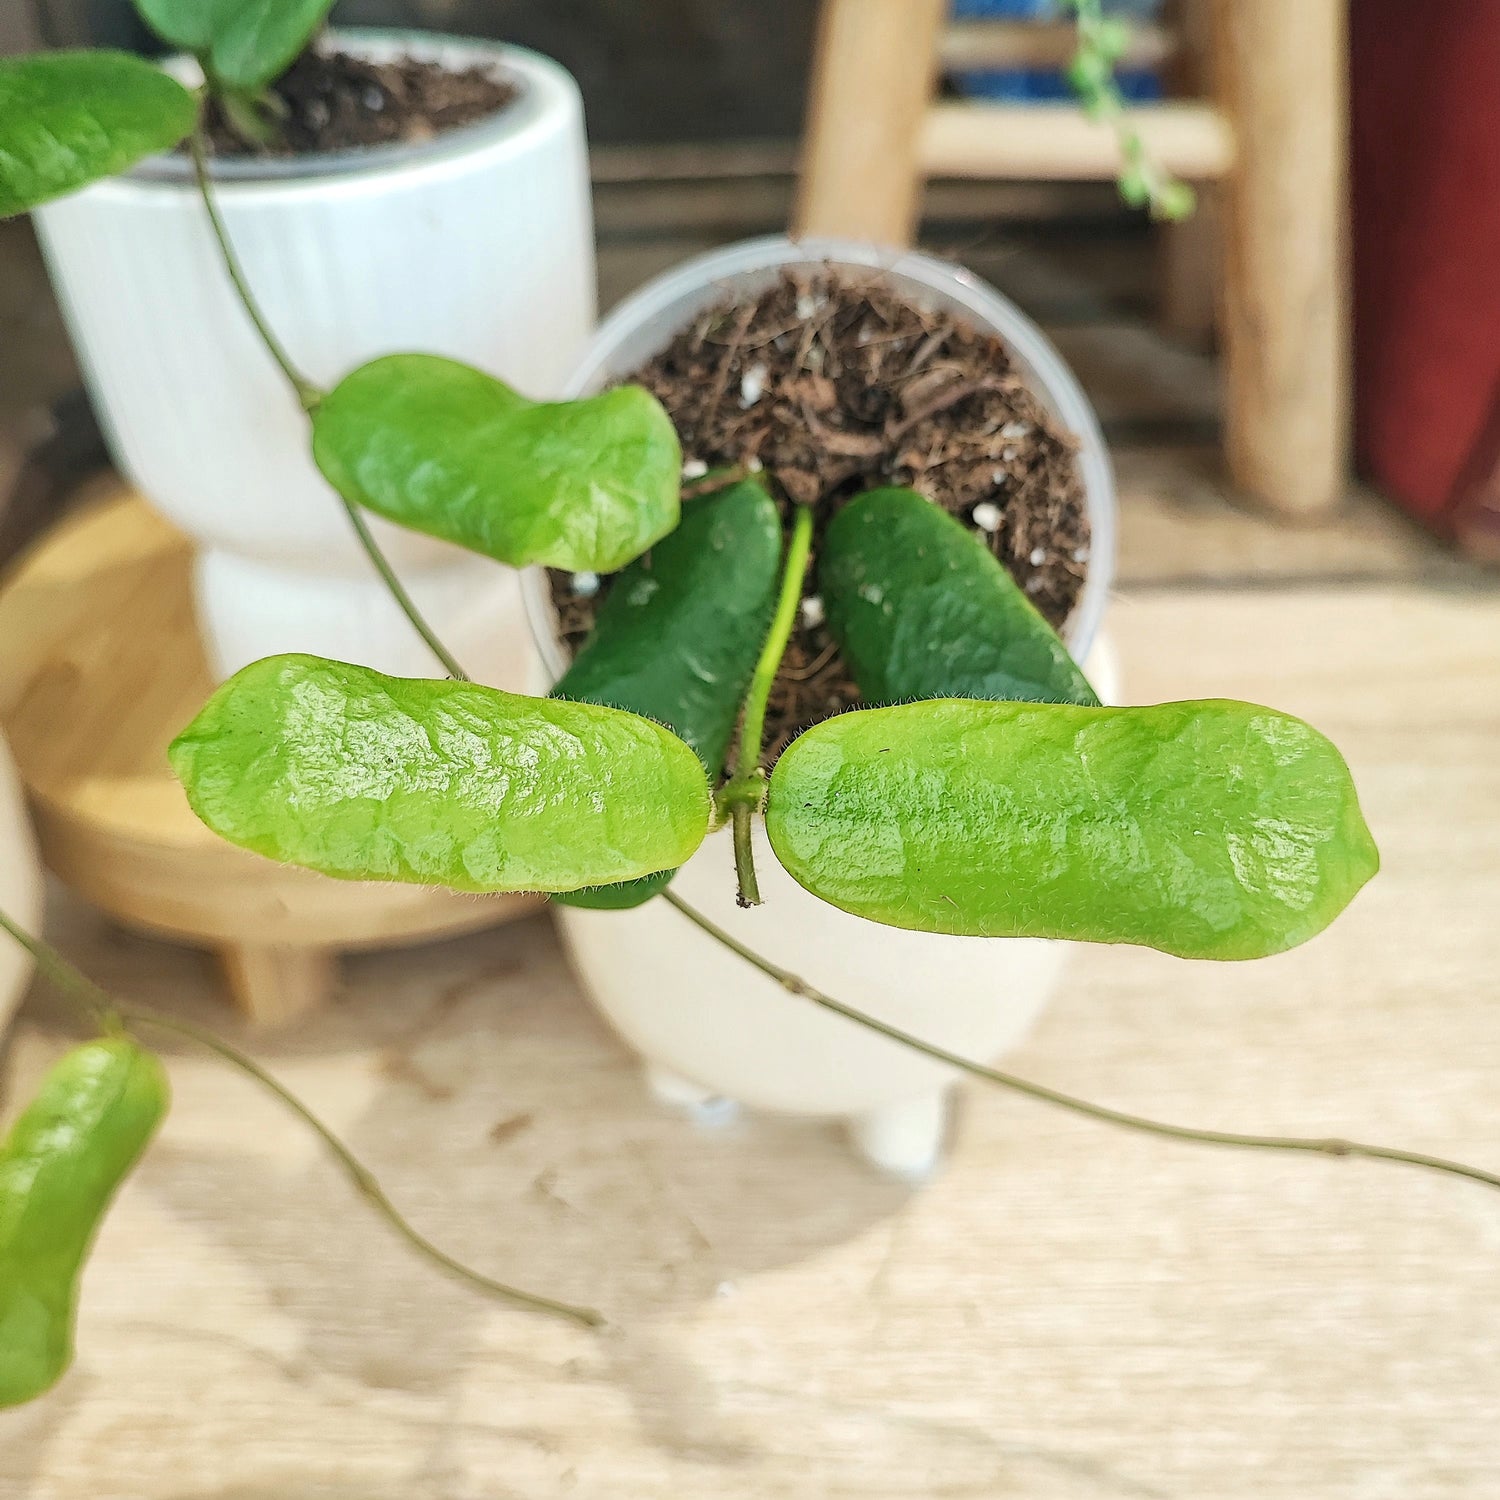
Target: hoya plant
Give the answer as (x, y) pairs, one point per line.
(982, 789)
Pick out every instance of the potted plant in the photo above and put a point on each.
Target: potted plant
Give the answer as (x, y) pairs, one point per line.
(372, 182)
(982, 793)
(1031, 464)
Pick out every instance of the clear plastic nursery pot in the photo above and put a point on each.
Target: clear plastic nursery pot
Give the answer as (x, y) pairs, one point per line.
(352, 255)
(712, 1029)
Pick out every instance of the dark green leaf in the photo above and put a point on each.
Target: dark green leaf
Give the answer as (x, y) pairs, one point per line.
(677, 638)
(1210, 829)
(921, 609)
(625, 896)
(69, 118)
(243, 43)
(447, 450)
(367, 777)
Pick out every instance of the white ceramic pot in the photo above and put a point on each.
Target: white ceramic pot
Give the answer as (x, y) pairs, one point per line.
(20, 886)
(477, 245)
(713, 1029)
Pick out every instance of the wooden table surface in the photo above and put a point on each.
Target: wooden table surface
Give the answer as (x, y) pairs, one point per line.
(1066, 1312)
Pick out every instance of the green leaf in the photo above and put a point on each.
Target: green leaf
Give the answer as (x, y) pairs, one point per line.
(242, 43)
(60, 1167)
(447, 450)
(921, 609)
(1209, 829)
(368, 777)
(678, 636)
(69, 118)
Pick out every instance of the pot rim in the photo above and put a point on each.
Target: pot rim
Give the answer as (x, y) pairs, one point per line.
(670, 300)
(544, 87)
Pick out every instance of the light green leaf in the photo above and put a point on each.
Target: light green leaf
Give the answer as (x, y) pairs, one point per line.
(69, 118)
(448, 450)
(368, 777)
(1209, 829)
(242, 43)
(921, 609)
(60, 1166)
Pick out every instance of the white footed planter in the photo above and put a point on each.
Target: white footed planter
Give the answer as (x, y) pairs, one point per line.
(20, 886)
(711, 1028)
(477, 245)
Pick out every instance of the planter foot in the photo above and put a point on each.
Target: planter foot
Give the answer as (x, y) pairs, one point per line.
(904, 1139)
(703, 1105)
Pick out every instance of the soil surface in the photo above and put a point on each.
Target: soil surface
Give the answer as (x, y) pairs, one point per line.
(331, 101)
(834, 386)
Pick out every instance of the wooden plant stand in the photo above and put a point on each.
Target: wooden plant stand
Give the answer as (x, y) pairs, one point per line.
(100, 666)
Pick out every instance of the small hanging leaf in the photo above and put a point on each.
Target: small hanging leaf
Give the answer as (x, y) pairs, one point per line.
(1208, 829)
(368, 777)
(60, 1166)
(678, 636)
(242, 43)
(448, 450)
(921, 609)
(69, 118)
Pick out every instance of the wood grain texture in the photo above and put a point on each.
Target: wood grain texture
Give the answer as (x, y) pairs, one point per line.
(1068, 1313)
(1021, 140)
(873, 72)
(1283, 68)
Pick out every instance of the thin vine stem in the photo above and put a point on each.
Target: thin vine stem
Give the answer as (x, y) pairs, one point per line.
(398, 592)
(742, 794)
(753, 731)
(309, 396)
(1324, 1146)
(102, 1008)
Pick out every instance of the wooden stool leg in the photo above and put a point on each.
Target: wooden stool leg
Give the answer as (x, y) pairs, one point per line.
(1191, 254)
(1283, 68)
(275, 986)
(872, 83)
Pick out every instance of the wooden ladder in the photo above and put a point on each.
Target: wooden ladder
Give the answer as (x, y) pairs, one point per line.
(1271, 133)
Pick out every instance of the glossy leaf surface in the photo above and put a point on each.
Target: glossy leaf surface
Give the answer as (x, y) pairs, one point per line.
(1210, 829)
(678, 636)
(70, 118)
(922, 609)
(59, 1168)
(367, 777)
(447, 450)
(243, 43)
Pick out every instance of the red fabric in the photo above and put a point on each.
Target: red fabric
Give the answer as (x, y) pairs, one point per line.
(1426, 157)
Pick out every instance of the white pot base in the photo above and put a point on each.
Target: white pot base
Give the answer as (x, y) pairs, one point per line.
(904, 1139)
(249, 609)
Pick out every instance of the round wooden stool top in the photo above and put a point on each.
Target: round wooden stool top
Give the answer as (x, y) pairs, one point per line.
(100, 666)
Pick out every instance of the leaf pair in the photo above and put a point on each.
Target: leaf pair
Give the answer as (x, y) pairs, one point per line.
(1209, 829)
(242, 44)
(1212, 829)
(68, 119)
(361, 776)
